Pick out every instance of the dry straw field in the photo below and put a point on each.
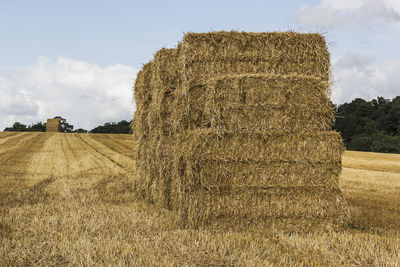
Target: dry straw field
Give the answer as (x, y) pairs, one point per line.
(67, 199)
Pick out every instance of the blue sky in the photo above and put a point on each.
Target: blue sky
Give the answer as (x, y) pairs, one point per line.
(79, 59)
(126, 32)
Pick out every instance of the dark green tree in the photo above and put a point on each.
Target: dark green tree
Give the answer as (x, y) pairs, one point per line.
(17, 127)
(37, 127)
(370, 125)
(122, 127)
(80, 130)
(65, 127)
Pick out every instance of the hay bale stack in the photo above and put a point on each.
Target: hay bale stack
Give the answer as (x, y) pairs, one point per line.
(53, 125)
(248, 141)
(255, 132)
(154, 94)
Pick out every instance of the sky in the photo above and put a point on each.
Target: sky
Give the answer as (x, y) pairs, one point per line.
(79, 59)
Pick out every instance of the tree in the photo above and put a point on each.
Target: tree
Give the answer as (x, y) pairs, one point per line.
(361, 142)
(38, 127)
(370, 125)
(385, 143)
(65, 127)
(17, 127)
(80, 130)
(122, 127)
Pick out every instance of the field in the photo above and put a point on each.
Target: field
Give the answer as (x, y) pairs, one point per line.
(66, 199)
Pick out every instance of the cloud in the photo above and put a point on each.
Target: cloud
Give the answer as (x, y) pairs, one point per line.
(85, 94)
(342, 4)
(336, 13)
(359, 75)
(355, 60)
(88, 95)
(15, 102)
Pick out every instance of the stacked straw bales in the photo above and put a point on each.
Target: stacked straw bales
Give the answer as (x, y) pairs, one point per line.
(53, 125)
(234, 130)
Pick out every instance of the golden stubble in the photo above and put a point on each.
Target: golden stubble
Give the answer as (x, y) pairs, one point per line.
(67, 200)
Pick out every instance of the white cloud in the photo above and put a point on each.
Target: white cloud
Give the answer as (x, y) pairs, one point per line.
(88, 95)
(359, 75)
(355, 60)
(336, 13)
(85, 94)
(342, 4)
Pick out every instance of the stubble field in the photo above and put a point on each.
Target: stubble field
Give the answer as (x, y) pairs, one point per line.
(67, 199)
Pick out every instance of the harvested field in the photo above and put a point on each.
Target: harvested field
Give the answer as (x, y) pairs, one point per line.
(67, 200)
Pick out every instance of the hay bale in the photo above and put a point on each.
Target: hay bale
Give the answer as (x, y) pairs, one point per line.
(256, 103)
(265, 173)
(153, 175)
(146, 184)
(164, 80)
(207, 55)
(141, 164)
(240, 206)
(317, 146)
(239, 133)
(164, 159)
(53, 125)
(143, 96)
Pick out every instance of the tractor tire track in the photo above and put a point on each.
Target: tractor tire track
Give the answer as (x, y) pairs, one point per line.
(101, 153)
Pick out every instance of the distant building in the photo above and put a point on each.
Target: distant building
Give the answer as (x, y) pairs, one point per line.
(53, 125)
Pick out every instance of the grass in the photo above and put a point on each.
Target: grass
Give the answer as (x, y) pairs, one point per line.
(66, 199)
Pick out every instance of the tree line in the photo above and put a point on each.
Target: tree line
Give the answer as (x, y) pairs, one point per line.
(370, 125)
(122, 127)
